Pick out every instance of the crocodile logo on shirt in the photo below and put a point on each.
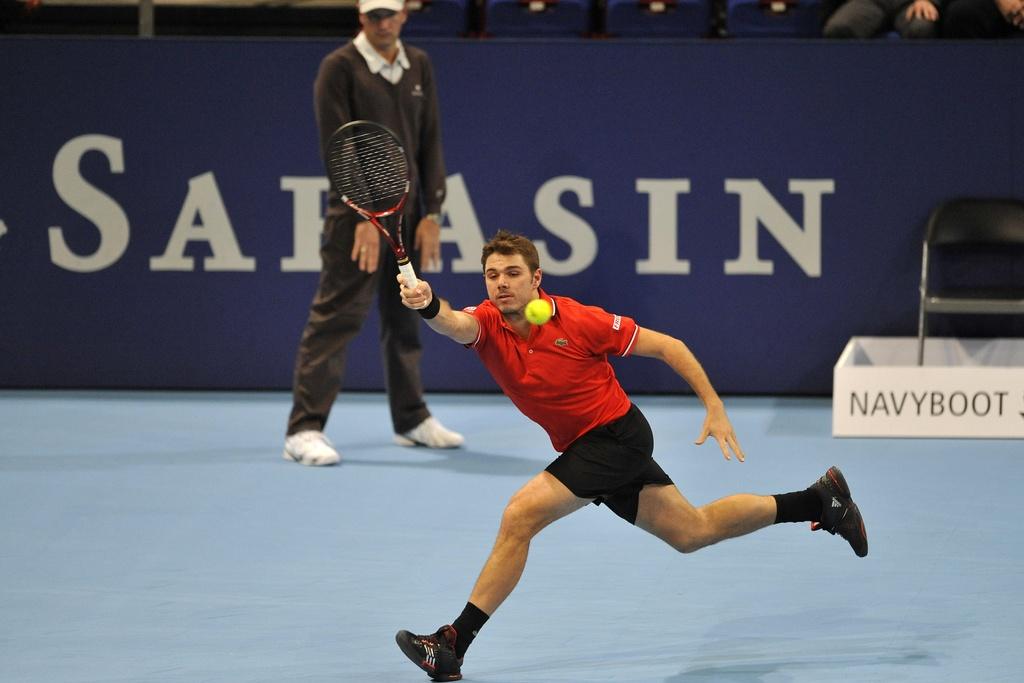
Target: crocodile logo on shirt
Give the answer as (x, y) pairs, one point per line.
(562, 341)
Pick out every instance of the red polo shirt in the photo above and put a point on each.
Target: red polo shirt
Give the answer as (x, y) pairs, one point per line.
(560, 377)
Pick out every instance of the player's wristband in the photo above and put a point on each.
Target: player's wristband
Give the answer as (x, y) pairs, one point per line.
(432, 309)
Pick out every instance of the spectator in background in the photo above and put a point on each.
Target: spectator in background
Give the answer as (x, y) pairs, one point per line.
(983, 19)
(374, 77)
(870, 18)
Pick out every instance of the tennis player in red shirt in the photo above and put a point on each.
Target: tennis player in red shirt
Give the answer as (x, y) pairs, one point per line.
(559, 376)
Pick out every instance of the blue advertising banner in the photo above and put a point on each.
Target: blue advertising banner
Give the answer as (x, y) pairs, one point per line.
(764, 201)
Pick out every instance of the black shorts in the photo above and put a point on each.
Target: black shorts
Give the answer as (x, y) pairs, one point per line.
(611, 464)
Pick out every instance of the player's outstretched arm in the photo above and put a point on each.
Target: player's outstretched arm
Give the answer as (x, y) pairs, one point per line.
(674, 353)
(457, 325)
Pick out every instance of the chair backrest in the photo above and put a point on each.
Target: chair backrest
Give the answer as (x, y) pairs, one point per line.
(975, 221)
(658, 18)
(537, 18)
(774, 18)
(444, 18)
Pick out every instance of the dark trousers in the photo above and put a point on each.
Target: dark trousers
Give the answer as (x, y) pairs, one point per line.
(869, 18)
(975, 19)
(339, 308)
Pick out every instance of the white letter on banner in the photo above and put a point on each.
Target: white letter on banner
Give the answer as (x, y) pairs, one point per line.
(106, 214)
(307, 222)
(757, 205)
(215, 227)
(464, 228)
(565, 224)
(662, 223)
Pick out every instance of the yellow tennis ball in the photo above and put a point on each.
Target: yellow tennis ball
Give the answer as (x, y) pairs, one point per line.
(538, 311)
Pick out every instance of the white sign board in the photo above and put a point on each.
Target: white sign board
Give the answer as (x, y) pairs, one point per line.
(970, 388)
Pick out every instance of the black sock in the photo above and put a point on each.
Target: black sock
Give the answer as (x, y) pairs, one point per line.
(799, 506)
(467, 626)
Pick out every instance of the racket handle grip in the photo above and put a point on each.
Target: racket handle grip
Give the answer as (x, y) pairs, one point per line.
(405, 268)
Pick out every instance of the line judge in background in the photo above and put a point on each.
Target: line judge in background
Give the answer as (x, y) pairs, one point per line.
(373, 77)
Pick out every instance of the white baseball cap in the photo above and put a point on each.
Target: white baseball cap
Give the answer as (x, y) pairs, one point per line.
(367, 6)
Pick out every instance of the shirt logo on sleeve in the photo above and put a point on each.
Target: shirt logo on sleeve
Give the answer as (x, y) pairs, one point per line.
(417, 90)
(617, 322)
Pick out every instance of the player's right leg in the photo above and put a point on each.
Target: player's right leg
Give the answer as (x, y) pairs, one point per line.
(543, 500)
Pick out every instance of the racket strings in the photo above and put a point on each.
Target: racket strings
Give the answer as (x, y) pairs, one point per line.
(369, 169)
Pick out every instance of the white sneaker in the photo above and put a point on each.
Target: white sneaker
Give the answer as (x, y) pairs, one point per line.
(310, 447)
(430, 433)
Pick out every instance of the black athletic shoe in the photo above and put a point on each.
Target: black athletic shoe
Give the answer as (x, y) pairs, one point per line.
(839, 514)
(435, 653)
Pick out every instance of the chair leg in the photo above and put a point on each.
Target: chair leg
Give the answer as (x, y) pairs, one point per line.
(920, 337)
(921, 324)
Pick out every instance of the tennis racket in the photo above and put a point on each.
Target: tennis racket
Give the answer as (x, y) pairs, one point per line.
(368, 169)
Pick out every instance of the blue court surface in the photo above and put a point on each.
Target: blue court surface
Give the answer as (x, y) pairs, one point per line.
(153, 537)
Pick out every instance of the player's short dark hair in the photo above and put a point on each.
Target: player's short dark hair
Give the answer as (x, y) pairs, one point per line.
(509, 243)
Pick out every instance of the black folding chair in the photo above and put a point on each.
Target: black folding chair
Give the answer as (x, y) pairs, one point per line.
(958, 227)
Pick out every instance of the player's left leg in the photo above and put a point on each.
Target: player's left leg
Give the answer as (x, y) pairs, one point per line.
(664, 512)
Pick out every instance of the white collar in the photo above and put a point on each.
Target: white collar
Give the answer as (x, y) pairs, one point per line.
(374, 60)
